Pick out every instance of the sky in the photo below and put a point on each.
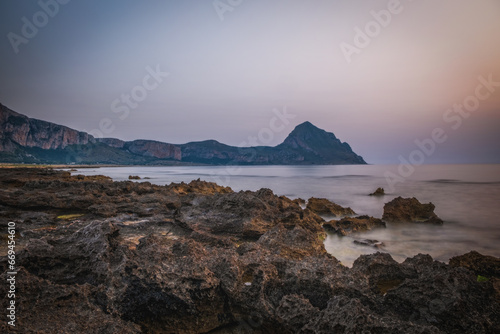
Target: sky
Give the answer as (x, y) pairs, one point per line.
(388, 77)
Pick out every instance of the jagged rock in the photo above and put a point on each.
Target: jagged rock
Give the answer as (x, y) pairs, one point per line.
(410, 210)
(350, 225)
(483, 265)
(44, 307)
(247, 215)
(300, 201)
(92, 178)
(322, 206)
(134, 177)
(346, 315)
(198, 187)
(207, 259)
(378, 192)
(297, 243)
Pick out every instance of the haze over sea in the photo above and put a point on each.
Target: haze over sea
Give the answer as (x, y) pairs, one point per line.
(467, 198)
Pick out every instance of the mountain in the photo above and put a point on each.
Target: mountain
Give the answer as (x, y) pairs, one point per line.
(28, 140)
(28, 132)
(320, 146)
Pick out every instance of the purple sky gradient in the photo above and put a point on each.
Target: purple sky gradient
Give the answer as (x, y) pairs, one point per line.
(227, 76)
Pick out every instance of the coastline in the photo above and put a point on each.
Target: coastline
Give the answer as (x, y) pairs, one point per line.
(199, 257)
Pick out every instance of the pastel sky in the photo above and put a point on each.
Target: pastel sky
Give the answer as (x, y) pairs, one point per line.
(229, 66)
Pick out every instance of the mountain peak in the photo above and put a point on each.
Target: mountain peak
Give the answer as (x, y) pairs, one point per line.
(309, 132)
(307, 137)
(23, 139)
(307, 127)
(306, 124)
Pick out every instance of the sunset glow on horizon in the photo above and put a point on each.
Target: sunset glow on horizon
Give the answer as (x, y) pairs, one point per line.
(211, 72)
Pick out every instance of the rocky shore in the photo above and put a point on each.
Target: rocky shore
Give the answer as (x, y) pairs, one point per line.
(97, 256)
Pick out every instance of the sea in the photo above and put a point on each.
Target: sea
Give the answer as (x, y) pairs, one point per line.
(467, 198)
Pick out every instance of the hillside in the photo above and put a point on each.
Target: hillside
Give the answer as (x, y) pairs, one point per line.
(28, 140)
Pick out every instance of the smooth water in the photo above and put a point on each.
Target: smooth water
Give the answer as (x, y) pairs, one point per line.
(467, 198)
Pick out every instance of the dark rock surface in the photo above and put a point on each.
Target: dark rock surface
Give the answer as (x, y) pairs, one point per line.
(97, 256)
(349, 225)
(487, 266)
(410, 210)
(369, 243)
(300, 201)
(322, 206)
(378, 192)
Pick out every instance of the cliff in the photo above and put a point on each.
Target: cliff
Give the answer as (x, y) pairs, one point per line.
(27, 140)
(30, 132)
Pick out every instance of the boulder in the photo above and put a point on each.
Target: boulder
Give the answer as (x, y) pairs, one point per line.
(483, 265)
(349, 225)
(410, 210)
(323, 206)
(369, 243)
(300, 201)
(378, 192)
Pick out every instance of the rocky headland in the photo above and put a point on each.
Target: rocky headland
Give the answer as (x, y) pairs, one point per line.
(28, 140)
(97, 256)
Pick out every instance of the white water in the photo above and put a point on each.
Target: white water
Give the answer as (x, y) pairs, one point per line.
(467, 198)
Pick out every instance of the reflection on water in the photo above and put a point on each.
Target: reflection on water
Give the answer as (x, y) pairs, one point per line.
(467, 198)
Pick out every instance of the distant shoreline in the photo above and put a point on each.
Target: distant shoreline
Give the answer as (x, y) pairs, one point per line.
(17, 165)
(10, 165)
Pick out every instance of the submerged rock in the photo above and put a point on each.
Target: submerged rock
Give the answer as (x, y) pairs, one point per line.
(322, 206)
(350, 225)
(378, 192)
(369, 243)
(410, 210)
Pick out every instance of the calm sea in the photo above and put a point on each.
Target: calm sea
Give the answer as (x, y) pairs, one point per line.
(467, 198)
